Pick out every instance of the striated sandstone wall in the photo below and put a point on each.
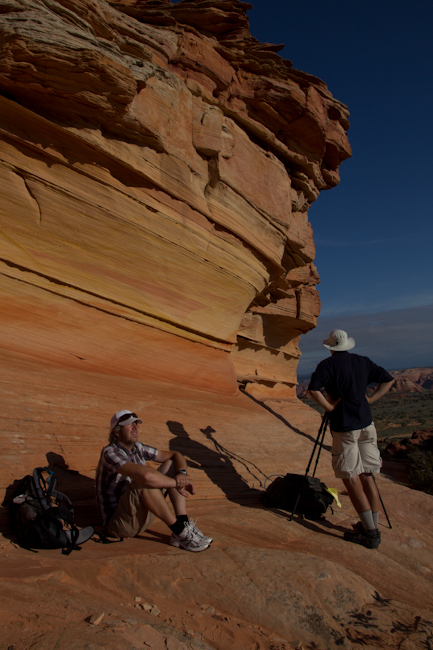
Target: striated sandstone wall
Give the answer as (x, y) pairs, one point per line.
(156, 168)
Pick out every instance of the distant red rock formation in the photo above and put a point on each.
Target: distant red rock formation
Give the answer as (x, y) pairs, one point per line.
(412, 379)
(398, 450)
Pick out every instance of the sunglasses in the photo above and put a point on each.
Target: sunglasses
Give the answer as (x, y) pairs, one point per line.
(126, 416)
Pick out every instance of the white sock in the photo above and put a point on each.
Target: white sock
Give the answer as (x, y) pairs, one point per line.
(367, 520)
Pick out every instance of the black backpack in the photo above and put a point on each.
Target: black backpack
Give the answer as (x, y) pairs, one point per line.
(283, 491)
(43, 517)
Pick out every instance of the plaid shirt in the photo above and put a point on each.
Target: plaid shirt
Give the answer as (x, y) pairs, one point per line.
(109, 484)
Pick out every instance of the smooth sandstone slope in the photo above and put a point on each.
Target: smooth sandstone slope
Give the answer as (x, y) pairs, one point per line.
(156, 168)
(265, 583)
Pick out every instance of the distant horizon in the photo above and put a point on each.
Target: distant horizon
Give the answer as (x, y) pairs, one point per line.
(396, 339)
(308, 375)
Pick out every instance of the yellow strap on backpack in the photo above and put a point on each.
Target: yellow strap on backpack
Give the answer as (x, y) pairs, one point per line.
(334, 493)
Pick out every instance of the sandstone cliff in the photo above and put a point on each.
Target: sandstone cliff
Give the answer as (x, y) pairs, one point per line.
(157, 165)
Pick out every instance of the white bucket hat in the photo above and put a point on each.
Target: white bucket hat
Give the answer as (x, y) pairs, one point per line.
(338, 341)
(124, 418)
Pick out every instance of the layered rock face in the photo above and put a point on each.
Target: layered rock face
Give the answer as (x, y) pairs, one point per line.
(157, 165)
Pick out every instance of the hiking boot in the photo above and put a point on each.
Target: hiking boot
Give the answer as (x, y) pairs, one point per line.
(189, 540)
(367, 538)
(198, 532)
(359, 528)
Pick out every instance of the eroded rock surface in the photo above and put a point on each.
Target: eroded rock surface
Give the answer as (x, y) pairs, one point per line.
(399, 449)
(157, 165)
(265, 583)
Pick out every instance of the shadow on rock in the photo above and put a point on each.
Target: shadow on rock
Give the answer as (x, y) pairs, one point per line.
(218, 464)
(321, 525)
(80, 489)
(283, 419)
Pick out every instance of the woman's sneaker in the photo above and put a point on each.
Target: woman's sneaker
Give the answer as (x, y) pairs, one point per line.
(188, 540)
(198, 532)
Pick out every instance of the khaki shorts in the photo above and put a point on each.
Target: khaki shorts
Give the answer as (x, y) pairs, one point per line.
(355, 452)
(131, 517)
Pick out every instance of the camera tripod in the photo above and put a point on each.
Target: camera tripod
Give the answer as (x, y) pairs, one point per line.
(319, 444)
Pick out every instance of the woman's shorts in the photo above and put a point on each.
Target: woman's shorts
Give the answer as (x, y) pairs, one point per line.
(355, 452)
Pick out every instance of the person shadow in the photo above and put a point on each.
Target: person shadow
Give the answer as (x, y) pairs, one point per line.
(79, 488)
(218, 464)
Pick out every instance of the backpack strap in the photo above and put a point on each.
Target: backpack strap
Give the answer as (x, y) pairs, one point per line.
(66, 513)
(60, 496)
(74, 532)
(44, 487)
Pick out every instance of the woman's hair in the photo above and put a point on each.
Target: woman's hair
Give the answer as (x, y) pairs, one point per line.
(113, 437)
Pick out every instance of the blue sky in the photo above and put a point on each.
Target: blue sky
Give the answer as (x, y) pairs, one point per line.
(373, 232)
(394, 339)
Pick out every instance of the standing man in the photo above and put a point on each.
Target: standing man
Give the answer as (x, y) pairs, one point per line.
(355, 455)
(129, 493)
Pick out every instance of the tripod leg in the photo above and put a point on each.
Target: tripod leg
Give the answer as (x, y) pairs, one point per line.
(321, 429)
(384, 509)
(325, 418)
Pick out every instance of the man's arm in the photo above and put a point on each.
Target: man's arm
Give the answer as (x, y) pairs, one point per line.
(177, 458)
(321, 400)
(148, 477)
(380, 391)
(151, 478)
(183, 482)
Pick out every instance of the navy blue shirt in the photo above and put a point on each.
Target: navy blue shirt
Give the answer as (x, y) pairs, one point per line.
(347, 376)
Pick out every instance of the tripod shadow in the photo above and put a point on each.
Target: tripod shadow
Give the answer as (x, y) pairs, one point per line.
(282, 419)
(217, 463)
(324, 523)
(316, 525)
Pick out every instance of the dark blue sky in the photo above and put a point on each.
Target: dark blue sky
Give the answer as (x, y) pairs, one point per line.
(374, 232)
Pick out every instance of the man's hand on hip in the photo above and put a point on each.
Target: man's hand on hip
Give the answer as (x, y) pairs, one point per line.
(327, 404)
